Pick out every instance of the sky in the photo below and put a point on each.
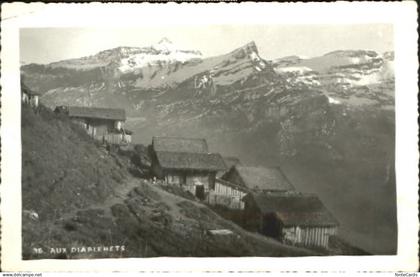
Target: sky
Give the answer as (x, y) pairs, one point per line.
(45, 45)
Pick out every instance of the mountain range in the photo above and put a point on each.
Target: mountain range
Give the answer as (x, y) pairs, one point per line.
(327, 120)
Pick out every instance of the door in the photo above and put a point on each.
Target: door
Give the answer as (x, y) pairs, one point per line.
(270, 225)
(199, 192)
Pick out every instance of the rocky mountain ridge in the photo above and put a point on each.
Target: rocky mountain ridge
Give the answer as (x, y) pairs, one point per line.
(130, 58)
(354, 77)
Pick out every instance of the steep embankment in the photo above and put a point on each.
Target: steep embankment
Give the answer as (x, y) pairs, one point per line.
(81, 198)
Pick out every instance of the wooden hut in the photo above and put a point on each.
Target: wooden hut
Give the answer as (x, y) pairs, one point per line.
(227, 194)
(186, 162)
(103, 124)
(29, 96)
(258, 178)
(295, 218)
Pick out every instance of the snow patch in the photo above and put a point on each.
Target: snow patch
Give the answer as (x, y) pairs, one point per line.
(367, 80)
(297, 69)
(355, 60)
(254, 56)
(302, 57)
(308, 80)
(145, 59)
(333, 101)
(165, 52)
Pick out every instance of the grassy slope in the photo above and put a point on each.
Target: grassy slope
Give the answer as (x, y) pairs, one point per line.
(85, 197)
(62, 168)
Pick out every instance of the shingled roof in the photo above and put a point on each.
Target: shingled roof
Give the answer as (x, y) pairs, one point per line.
(232, 185)
(178, 144)
(93, 112)
(263, 178)
(190, 161)
(295, 209)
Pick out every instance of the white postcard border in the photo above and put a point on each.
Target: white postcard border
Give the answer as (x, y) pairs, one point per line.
(401, 14)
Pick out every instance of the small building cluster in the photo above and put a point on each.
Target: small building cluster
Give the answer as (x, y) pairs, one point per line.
(267, 199)
(102, 124)
(273, 207)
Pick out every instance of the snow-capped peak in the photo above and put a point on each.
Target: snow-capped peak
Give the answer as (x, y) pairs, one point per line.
(165, 40)
(164, 52)
(165, 45)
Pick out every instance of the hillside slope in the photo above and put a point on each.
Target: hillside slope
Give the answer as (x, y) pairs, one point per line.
(78, 197)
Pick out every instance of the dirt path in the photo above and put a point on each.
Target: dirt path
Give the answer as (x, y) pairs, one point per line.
(147, 190)
(120, 194)
(119, 197)
(172, 201)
